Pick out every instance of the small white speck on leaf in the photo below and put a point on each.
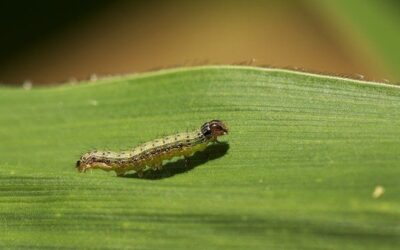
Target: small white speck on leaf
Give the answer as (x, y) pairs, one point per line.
(94, 102)
(378, 192)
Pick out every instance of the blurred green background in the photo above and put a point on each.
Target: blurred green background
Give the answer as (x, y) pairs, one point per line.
(57, 41)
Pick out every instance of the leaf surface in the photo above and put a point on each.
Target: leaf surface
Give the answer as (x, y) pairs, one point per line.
(298, 170)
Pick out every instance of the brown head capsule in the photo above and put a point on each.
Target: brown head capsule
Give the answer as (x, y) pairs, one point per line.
(213, 129)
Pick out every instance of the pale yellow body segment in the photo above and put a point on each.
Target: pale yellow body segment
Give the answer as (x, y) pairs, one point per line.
(150, 154)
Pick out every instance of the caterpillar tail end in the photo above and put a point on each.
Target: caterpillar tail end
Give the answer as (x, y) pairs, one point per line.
(80, 166)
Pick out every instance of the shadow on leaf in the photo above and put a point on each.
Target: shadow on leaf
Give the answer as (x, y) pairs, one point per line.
(170, 169)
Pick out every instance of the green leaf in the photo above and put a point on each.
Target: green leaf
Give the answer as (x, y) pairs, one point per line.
(310, 162)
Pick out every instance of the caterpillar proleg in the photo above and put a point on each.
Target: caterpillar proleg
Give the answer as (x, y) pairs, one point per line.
(153, 153)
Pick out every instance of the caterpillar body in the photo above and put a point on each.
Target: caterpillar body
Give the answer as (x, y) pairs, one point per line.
(153, 153)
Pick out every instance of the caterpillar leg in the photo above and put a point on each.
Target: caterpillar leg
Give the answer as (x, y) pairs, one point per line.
(159, 165)
(187, 161)
(83, 166)
(100, 165)
(156, 165)
(120, 173)
(139, 173)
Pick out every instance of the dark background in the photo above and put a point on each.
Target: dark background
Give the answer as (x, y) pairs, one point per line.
(59, 41)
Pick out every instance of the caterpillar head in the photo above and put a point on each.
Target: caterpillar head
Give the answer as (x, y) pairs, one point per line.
(213, 129)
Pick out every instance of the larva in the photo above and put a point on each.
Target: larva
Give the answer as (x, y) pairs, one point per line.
(153, 153)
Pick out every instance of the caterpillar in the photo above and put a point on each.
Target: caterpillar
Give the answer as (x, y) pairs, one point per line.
(153, 153)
